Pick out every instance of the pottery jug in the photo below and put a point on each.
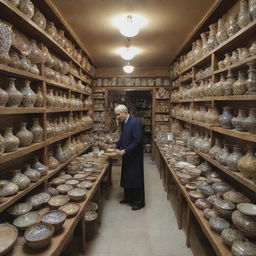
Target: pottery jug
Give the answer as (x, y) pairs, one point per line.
(225, 118)
(249, 123)
(224, 155)
(25, 136)
(252, 9)
(37, 131)
(43, 169)
(204, 43)
(21, 180)
(229, 83)
(60, 154)
(234, 158)
(252, 49)
(29, 97)
(234, 57)
(15, 97)
(251, 80)
(53, 163)
(32, 174)
(11, 141)
(238, 121)
(2, 144)
(222, 34)
(39, 19)
(227, 60)
(212, 41)
(232, 26)
(5, 42)
(218, 88)
(244, 17)
(4, 96)
(247, 165)
(39, 98)
(240, 86)
(27, 7)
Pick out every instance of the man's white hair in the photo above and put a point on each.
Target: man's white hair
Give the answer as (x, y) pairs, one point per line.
(121, 108)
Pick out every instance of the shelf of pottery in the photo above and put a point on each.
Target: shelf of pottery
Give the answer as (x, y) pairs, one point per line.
(161, 115)
(99, 111)
(132, 82)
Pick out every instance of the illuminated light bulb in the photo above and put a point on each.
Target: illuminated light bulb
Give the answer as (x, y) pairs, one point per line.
(127, 53)
(128, 68)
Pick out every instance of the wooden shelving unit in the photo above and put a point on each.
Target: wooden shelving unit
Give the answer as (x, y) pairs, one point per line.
(100, 97)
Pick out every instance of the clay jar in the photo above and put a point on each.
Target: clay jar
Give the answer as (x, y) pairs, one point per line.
(51, 29)
(247, 164)
(39, 19)
(244, 17)
(252, 9)
(218, 88)
(3, 97)
(227, 60)
(29, 97)
(215, 149)
(234, 57)
(25, 136)
(252, 49)
(53, 163)
(240, 86)
(249, 123)
(243, 53)
(221, 35)
(32, 174)
(27, 7)
(2, 144)
(238, 121)
(60, 154)
(225, 118)
(204, 43)
(21, 180)
(43, 169)
(234, 158)
(11, 141)
(39, 98)
(5, 42)
(37, 131)
(232, 25)
(229, 83)
(15, 97)
(251, 81)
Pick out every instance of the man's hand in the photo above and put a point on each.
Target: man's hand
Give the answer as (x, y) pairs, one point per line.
(121, 152)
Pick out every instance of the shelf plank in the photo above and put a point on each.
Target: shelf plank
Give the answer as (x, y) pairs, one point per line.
(233, 133)
(28, 27)
(61, 238)
(213, 237)
(20, 110)
(18, 73)
(220, 98)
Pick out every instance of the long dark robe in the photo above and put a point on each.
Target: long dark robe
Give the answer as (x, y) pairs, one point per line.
(132, 175)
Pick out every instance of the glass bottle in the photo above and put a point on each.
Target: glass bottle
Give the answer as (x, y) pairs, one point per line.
(244, 17)
(29, 97)
(251, 81)
(222, 34)
(15, 97)
(25, 136)
(37, 131)
(240, 86)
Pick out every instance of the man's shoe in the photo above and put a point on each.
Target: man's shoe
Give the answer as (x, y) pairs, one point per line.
(135, 207)
(124, 202)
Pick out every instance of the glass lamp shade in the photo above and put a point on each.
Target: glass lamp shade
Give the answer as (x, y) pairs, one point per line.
(128, 68)
(128, 53)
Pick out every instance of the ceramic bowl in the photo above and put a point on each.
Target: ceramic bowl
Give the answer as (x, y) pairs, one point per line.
(230, 235)
(57, 181)
(56, 218)
(247, 209)
(38, 235)
(70, 209)
(218, 224)
(194, 195)
(8, 237)
(80, 176)
(209, 213)
(202, 204)
(52, 191)
(19, 209)
(235, 197)
(64, 188)
(224, 208)
(90, 215)
(221, 187)
(85, 185)
(191, 186)
(58, 201)
(77, 194)
(206, 189)
(38, 200)
(25, 220)
(72, 182)
(66, 177)
(240, 248)
(91, 178)
(92, 207)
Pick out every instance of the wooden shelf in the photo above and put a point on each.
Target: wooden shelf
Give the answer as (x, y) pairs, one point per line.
(220, 98)
(233, 133)
(99, 110)
(186, 80)
(162, 113)
(22, 193)
(28, 27)
(99, 98)
(213, 237)
(59, 239)
(202, 79)
(57, 110)
(20, 110)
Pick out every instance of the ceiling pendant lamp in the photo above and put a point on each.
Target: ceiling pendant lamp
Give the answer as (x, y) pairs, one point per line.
(129, 28)
(128, 68)
(127, 53)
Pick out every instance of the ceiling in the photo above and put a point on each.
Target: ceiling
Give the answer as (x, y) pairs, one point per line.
(170, 23)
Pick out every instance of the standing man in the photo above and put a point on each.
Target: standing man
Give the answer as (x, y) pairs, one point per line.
(131, 149)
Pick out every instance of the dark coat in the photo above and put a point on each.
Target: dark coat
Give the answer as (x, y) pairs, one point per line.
(132, 175)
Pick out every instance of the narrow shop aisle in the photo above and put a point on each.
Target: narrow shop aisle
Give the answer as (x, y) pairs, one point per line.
(151, 231)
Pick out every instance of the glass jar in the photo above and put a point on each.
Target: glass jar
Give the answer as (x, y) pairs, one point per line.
(238, 121)
(225, 118)
(251, 81)
(232, 26)
(222, 34)
(212, 41)
(240, 86)
(244, 17)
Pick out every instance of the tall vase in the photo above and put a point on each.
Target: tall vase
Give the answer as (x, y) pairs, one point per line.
(232, 25)
(252, 8)
(39, 98)
(25, 136)
(225, 118)
(238, 121)
(222, 34)
(212, 41)
(29, 97)
(53, 163)
(234, 158)
(2, 144)
(37, 131)
(15, 97)
(60, 154)
(3, 97)
(229, 83)
(11, 141)
(240, 87)
(249, 123)
(204, 43)
(251, 81)
(244, 17)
